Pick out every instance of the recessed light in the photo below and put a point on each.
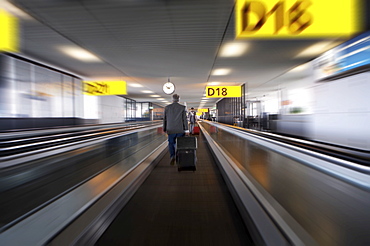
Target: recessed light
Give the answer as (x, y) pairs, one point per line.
(317, 49)
(154, 96)
(214, 83)
(146, 91)
(15, 10)
(221, 71)
(79, 54)
(299, 68)
(233, 49)
(134, 85)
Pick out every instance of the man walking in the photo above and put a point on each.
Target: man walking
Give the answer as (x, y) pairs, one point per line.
(192, 120)
(175, 124)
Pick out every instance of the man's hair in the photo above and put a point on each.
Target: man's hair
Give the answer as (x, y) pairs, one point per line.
(175, 98)
(192, 108)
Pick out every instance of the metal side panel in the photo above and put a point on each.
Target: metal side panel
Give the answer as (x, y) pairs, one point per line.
(88, 227)
(267, 225)
(68, 218)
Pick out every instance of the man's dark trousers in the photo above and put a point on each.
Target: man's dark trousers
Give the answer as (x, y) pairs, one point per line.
(172, 143)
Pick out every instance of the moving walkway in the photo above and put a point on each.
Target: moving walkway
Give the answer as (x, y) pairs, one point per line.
(286, 194)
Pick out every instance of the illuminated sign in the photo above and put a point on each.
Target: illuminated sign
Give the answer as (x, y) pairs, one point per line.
(296, 18)
(8, 32)
(203, 110)
(223, 91)
(351, 56)
(102, 88)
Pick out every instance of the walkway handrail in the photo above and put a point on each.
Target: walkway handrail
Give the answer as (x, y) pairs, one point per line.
(335, 168)
(258, 208)
(15, 152)
(91, 202)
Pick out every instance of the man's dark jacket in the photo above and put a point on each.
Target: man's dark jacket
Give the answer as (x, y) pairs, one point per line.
(175, 120)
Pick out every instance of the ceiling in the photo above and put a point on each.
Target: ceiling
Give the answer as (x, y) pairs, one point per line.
(146, 42)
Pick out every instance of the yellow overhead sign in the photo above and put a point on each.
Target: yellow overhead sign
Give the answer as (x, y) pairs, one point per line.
(223, 91)
(203, 110)
(9, 41)
(102, 88)
(296, 18)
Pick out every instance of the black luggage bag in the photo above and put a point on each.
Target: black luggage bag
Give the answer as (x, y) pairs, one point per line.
(186, 157)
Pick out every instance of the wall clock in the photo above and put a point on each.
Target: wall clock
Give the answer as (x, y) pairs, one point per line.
(169, 88)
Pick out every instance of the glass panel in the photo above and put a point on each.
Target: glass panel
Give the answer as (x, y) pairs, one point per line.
(124, 111)
(78, 98)
(158, 112)
(138, 110)
(24, 88)
(42, 94)
(145, 110)
(68, 96)
(6, 87)
(129, 109)
(55, 89)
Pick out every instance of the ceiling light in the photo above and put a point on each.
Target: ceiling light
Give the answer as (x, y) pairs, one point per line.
(9, 7)
(233, 49)
(317, 49)
(221, 71)
(146, 91)
(134, 85)
(299, 68)
(79, 54)
(214, 83)
(154, 96)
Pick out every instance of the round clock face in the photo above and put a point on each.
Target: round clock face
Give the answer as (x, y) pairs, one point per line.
(169, 88)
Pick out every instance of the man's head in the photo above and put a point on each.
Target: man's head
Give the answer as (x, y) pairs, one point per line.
(175, 98)
(192, 108)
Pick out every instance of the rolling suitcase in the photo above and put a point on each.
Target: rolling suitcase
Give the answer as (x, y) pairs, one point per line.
(186, 157)
(195, 130)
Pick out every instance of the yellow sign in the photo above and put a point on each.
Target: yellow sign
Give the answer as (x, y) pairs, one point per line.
(203, 110)
(296, 18)
(8, 32)
(102, 88)
(223, 91)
